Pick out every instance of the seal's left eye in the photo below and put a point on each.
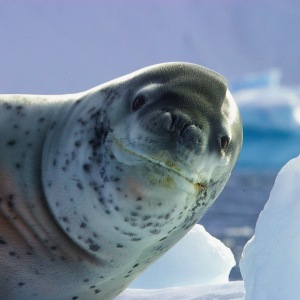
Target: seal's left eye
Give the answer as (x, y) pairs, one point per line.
(138, 102)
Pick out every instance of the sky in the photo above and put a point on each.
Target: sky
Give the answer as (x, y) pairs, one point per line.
(57, 47)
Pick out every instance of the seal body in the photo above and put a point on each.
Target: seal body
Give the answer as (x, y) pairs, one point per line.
(95, 186)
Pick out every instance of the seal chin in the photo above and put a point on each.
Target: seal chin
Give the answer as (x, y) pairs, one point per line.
(131, 158)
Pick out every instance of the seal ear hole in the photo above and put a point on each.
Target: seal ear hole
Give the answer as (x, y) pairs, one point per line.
(224, 142)
(138, 102)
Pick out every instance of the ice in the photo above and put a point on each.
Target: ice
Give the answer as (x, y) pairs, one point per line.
(272, 107)
(271, 121)
(257, 80)
(197, 266)
(198, 258)
(226, 291)
(270, 262)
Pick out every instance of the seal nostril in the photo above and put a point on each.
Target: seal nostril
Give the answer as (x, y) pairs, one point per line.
(224, 141)
(184, 128)
(174, 119)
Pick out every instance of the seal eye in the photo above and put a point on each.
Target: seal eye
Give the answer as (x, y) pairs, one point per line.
(224, 142)
(138, 102)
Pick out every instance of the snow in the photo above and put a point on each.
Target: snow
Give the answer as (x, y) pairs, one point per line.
(198, 258)
(197, 267)
(226, 291)
(270, 262)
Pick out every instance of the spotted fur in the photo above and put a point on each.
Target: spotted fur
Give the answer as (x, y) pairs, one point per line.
(96, 186)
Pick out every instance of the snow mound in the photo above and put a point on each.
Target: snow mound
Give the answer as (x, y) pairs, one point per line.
(226, 291)
(270, 263)
(198, 258)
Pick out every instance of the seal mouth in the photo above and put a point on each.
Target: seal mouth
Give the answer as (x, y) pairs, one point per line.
(168, 165)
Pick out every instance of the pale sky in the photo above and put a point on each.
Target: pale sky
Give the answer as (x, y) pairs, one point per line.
(54, 47)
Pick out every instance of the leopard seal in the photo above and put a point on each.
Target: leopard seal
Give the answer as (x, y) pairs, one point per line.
(95, 186)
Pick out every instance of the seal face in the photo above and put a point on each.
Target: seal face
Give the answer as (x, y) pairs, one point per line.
(95, 186)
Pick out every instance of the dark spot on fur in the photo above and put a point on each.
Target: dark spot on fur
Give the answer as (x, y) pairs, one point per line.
(52, 125)
(11, 143)
(82, 225)
(119, 245)
(86, 167)
(41, 120)
(77, 143)
(135, 239)
(129, 233)
(2, 241)
(8, 106)
(94, 247)
(10, 201)
(21, 283)
(155, 231)
(135, 265)
(101, 200)
(79, 185)
(65, 219)
(134, 213)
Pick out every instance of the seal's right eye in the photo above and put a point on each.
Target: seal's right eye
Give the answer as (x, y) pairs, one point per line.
(138, 102)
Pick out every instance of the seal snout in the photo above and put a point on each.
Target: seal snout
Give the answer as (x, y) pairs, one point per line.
(182, 130)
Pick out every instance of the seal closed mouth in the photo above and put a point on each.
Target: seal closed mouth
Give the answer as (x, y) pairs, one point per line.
(166, 164)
